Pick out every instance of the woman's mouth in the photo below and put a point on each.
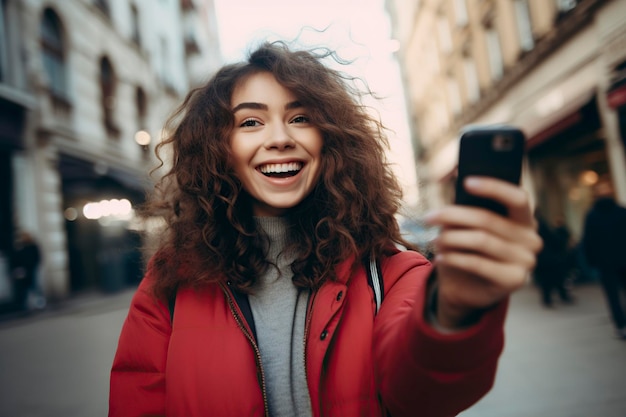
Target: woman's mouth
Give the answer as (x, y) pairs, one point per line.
(283, 170)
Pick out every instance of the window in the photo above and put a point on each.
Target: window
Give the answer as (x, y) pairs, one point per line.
(53, 53)
(524, 25)
(454, 96)
(494, 50)
(443, 31)
(166, 73)
(471, 80)
(566, 5)
(142, 108)
(136, 34)
(460, 12)
(107, 90)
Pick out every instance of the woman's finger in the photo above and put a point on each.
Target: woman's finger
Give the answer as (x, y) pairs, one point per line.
(513, 197)
(465, 217)
(504, 278)
(482, 242)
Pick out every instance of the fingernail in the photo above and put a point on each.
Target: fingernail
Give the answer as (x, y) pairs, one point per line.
(472, 182)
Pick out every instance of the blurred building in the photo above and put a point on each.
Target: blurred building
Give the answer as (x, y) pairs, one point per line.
(85, 88)
(555, 68)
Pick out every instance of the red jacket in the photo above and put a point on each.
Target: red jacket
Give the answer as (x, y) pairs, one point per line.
(357, 363)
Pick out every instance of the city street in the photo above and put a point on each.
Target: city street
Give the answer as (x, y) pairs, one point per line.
(56, 363)
(562, 362)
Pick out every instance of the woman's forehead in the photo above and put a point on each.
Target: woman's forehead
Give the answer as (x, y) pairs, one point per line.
(260, 87)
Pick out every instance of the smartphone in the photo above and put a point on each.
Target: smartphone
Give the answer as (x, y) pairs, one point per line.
(493, 151)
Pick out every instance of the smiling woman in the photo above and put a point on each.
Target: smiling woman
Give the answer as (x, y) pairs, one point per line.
(257, 302)
(276, 150)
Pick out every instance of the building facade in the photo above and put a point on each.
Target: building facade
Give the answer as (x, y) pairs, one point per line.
(85, 88)
(554, 68)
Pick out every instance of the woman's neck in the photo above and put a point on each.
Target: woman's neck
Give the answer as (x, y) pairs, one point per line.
(277, 231)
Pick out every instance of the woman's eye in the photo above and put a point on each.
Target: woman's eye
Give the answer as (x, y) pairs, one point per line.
(250, 123)
(300, 119)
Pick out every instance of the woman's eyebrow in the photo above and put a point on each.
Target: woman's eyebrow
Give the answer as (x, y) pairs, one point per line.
(254, 106)
(260, 106)
(293, 105)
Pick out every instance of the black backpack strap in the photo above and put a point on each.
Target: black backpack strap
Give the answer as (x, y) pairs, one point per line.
(171, 303)
(240, 298)
(375, 280)
(243, 302)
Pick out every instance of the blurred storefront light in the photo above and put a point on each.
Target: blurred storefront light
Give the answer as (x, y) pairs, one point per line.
(116, 209)
(589, 177)
(71, 214)
(143, 138)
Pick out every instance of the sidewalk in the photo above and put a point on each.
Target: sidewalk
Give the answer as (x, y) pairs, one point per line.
(92, 301)
(558, 362)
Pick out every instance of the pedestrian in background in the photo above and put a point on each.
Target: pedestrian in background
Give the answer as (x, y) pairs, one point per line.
(257, 302)
(569, 265)
(25, 264)
(553, 262)
(604, 245)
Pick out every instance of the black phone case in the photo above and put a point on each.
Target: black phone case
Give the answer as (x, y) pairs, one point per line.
(495, 151)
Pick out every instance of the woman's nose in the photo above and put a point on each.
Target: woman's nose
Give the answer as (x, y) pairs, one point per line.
(279, 137)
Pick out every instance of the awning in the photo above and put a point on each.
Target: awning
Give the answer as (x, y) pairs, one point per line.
(567, 115)
(616, 97)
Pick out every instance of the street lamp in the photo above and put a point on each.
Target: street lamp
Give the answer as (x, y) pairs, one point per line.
(143, 138)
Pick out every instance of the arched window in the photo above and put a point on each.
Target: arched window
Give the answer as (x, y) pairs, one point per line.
(524, 25)
(53, 53)
(136, 33)
(142, 107)
(472, 86)
(107, 90)
(494, 51)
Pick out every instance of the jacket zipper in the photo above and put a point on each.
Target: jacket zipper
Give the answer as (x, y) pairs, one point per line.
(257, 352)
(307, 324)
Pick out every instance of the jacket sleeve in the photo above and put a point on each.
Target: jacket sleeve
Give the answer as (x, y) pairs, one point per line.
(137, 386)
(421, 371)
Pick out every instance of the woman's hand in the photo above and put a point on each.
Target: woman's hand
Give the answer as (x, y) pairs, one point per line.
(480, 256)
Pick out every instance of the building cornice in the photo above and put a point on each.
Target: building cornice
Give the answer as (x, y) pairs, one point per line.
(566, 26)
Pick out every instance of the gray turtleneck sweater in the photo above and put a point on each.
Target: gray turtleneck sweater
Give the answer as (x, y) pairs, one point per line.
(279, 311)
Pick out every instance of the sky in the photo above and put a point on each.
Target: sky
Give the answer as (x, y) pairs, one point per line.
(357, 30)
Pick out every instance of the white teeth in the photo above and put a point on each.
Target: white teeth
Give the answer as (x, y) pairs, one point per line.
(280, 168)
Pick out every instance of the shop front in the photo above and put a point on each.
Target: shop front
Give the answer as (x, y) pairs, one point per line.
(11, 140)
(567, 160)
(99, 202)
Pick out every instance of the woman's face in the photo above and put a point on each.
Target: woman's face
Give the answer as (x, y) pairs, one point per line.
(275, 150)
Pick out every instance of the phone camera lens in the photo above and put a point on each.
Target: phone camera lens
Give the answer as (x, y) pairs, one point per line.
(502, 143)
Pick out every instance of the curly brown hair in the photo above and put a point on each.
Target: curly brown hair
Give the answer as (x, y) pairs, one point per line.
(211, 234)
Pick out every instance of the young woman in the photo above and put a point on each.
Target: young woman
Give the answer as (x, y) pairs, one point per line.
(277, 198)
